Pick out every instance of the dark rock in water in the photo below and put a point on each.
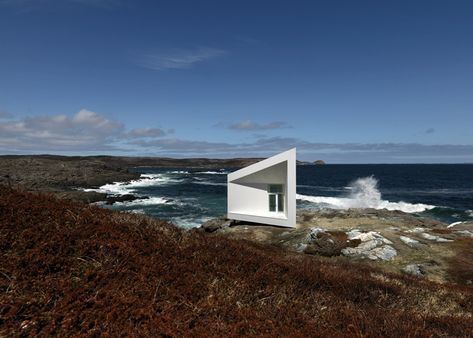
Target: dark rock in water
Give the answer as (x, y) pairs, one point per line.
(319, 162)
(124, 198)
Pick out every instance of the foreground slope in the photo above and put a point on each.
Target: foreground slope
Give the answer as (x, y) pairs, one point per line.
(69, 268)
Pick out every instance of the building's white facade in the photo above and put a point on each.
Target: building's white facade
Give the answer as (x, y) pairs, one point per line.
(265, 192)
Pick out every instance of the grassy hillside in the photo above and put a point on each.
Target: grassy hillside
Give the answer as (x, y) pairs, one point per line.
(69, 268)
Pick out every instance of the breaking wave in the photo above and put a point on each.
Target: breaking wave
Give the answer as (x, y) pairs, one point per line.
(125, 188)
(145, 201)
(364, 193)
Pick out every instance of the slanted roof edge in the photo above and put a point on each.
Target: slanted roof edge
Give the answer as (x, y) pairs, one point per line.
(266, 163)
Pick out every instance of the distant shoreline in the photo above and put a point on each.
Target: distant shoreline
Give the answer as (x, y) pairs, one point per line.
(197, 162)
(66, 175)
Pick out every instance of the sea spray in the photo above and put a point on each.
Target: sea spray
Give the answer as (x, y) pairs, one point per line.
(364, 193)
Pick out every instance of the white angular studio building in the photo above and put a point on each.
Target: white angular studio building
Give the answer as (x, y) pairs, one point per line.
(264, 192)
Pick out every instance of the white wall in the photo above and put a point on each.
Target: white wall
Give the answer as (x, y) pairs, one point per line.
(249, 194)
(248, 190)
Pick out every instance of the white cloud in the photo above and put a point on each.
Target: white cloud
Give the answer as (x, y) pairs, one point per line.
(88, 131)
(84, 130)
(181, 59)
(92, 120)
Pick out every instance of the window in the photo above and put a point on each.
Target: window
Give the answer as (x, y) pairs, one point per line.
(276, 197)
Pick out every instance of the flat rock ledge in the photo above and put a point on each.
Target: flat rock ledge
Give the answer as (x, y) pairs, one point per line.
(410, 242)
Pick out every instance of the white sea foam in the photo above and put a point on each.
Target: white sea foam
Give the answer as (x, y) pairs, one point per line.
(364, 193)
(182, 172)
(124, 188)
(190, 222)
(151, 175)
(145, 202)
(453, 224)
(116, 188)
(212, 172)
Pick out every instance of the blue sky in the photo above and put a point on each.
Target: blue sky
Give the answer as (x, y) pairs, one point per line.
(343, 81)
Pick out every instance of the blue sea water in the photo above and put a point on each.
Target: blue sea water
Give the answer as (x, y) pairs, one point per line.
(188, 197)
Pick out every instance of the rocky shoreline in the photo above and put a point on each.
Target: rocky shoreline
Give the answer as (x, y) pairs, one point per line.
(65, 176)
(395, 241)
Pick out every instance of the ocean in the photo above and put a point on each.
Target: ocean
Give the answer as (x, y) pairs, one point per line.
(189, 197)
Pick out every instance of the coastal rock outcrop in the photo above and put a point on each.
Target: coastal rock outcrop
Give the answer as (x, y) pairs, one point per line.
(394, 240)
(63, 175)
(410, 242)
(327, 243)
(215, 224)
(373, 246)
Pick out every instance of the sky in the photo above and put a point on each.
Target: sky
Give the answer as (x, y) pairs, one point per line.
(343, 81)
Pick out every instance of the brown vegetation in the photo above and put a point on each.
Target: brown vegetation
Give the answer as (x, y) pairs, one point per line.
(460, 265)
(441, 231)
(74, 269)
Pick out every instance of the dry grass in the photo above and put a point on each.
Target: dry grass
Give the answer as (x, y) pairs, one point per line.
(72, 269)
(461, 264)
(441, 231)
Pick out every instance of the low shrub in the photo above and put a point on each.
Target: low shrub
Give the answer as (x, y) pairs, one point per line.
(73, 269)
